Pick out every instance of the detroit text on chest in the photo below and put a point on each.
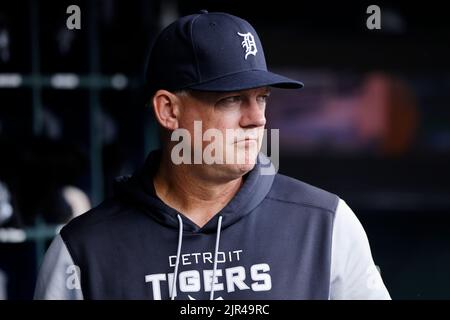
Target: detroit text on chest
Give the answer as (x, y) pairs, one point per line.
(255, 277)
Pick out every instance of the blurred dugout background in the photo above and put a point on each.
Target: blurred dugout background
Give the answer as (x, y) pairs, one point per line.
(371, 125)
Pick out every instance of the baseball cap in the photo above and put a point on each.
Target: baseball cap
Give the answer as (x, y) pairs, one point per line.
(210, 51)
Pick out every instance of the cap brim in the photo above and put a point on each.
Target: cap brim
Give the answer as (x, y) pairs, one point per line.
(247, 80)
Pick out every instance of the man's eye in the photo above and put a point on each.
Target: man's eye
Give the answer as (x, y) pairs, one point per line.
(232, 99)
(263, 98)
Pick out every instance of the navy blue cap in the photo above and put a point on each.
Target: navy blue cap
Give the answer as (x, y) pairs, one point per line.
(210, 52)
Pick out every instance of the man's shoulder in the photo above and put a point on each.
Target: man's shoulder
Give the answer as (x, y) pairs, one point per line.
(291, 190)
(98, 218)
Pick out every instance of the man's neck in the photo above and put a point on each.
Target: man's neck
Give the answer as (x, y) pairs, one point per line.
(198, 199)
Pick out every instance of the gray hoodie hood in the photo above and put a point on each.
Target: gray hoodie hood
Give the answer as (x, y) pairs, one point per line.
(139, 190)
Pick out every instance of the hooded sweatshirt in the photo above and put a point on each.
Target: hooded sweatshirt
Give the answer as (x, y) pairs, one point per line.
(278, 238)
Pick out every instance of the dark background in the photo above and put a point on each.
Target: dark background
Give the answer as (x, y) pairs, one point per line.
(85, 136)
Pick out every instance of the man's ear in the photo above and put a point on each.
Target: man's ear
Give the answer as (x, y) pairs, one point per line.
(167, 109)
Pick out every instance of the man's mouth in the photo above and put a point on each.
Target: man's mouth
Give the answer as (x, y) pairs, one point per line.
(247, 140)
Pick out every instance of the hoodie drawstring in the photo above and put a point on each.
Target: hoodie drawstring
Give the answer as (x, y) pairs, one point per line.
(177, 262)
(216, 251)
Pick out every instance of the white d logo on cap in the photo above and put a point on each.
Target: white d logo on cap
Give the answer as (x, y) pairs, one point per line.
(248, 44)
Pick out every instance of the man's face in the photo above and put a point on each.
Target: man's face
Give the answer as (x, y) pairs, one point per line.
(232, 128)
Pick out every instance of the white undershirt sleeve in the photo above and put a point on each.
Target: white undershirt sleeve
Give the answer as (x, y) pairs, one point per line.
(354, 275)
(59, 277)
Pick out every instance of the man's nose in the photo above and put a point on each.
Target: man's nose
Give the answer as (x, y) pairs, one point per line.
(253, 115)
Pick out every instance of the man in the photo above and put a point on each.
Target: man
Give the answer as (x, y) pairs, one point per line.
(211, 223)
